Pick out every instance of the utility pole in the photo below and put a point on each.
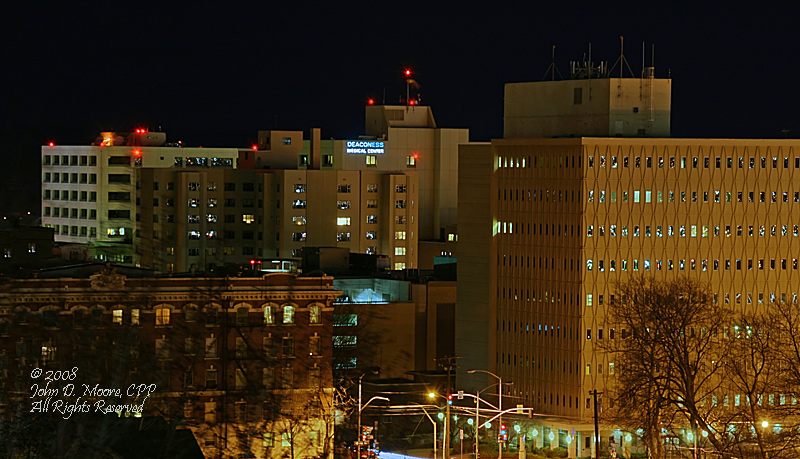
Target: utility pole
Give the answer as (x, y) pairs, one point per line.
(596, 425)
(448, 363)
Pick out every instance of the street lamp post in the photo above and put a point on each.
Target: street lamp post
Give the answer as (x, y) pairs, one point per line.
(478, 412)
(374, 372)
(499, 396)
(434, 428)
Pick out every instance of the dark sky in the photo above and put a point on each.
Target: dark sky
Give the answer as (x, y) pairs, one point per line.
(213, 74)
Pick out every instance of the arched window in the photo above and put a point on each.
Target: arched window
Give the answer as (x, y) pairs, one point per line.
(288, 314)
(315, 314)
(162, 316)
(269, 314)
(242, 313)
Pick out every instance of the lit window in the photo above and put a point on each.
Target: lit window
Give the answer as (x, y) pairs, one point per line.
(399, 251)
(162, 316)
(343, 205)
(299, 220)
(343, 237)
(116, 316)
(288, 314)
(372, 188)
(269, 315)
(371, 160)
(248, 218)
(343, 221)
(399, 265)
(315, 314)
(411, 161)
(400, 235)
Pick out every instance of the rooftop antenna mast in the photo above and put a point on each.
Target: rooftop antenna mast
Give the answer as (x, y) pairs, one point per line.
(621, 59)
(553, 69)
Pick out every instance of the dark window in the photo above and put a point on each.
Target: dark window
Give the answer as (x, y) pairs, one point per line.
(119, 214)
(119, 178)
(577, 96)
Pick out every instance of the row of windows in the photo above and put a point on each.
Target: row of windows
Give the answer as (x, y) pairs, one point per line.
(268, 315)
(64, 212)
(270, 347)
(83, 231)
(73, 195)
(692, 264)
(69, 160)
(7, 252)
(728, 298)
(372, 160)
(210, 186)
(346, 236)
(371, 188)
(707, 196)
(691, 230)
(55, 177)
(199, 162)
(636, 162)
(695, 162)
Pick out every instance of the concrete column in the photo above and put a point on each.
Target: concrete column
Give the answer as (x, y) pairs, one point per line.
(571, 446)
(538, 439)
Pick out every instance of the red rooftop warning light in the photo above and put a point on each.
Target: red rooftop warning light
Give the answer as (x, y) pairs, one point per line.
(408, 72)
(254, 147)
(371, 102)
(51, 144)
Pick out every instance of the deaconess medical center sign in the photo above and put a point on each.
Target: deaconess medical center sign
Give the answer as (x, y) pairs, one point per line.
(364, 147)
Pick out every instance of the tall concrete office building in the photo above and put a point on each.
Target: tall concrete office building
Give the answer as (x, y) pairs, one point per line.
(555, 222)
(141, 201)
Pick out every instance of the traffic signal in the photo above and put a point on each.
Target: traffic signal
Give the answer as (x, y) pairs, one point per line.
(450, 399)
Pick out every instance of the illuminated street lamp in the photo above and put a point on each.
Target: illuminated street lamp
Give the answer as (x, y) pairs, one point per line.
(499, 404)
(374, 372)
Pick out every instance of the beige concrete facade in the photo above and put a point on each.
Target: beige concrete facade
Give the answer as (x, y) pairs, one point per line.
(548, 225)
(196, 218)
(410, 141)
(607, 107)
(89, 192)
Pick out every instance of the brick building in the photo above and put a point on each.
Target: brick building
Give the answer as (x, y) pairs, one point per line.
(245, 363)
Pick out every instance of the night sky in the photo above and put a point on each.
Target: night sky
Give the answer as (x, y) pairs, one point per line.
(213, 74)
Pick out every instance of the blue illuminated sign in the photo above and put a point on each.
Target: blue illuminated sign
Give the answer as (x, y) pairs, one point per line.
(364, 147)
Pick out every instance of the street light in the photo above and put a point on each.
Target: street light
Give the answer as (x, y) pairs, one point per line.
(499, 404)
(374, 372)
(432, 422)
(478, 413)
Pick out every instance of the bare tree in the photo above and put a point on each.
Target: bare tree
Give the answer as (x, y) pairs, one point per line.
(670, 358)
